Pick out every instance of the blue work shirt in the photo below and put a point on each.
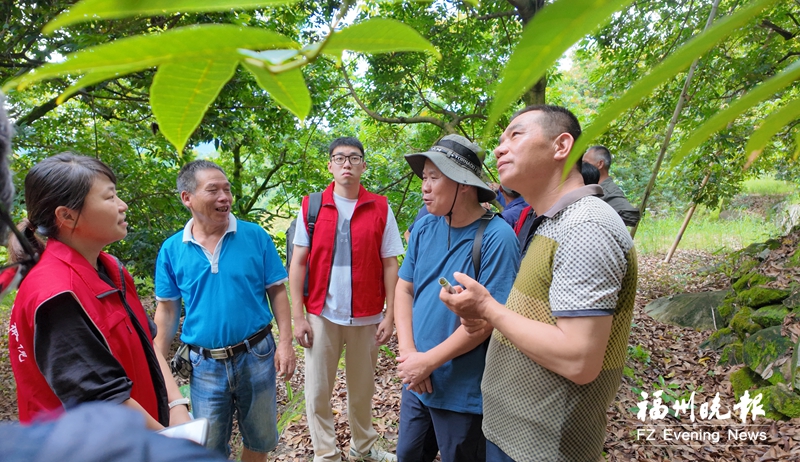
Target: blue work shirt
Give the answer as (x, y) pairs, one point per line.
(224, 292)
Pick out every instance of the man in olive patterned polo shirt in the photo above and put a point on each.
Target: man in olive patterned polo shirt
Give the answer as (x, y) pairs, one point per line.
(556, 356)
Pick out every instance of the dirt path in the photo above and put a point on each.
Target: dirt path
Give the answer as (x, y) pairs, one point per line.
(660, 351)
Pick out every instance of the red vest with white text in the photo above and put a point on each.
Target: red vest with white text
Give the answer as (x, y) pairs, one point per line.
(61, 270)
(366, 236)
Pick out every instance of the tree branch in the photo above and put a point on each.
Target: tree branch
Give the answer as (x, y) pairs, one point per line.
(40, 111)
(392, 120)
(788, 55)
(777, 29)
(264, 184)
(394, 183)
(499, 14)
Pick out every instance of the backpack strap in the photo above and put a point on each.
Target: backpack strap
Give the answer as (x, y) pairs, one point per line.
(478, 241)
(314, 205)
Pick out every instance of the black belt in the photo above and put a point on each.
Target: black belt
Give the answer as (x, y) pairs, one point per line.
(230, 351)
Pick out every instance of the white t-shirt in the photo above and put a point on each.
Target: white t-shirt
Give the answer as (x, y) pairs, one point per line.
(338, 301)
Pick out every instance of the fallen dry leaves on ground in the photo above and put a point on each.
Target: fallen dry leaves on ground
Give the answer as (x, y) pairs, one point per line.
(674, 355)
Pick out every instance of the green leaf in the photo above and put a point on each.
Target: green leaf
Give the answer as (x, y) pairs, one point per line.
(181, 93)
(193, 43)
(675, 63)
(271, 56)
(287, 88)
(378, 35)
(769, 127)
(89, 10)
(549, 34)
(721, 119)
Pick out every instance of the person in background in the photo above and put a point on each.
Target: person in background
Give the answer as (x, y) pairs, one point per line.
(351, 262)
(78, 332)
(514, 205)
(231, 280)
(600, 157)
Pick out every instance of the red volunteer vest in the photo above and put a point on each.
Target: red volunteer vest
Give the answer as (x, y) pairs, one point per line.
(62, 269)
(366, 236)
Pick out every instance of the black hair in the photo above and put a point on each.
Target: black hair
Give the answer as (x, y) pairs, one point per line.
(558, 120)
(187, 176)
(590, 173)
(345, 141)
(61, 180)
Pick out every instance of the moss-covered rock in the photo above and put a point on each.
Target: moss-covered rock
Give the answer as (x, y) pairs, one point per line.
(761, 349)
(719, 339)
(768, 402)
(786, 401)
(751, 279)
(731, 355)
(780, 374)
(771, 315)
(793, 301)
(728, 309)
(742, 324)
(746, 264)
(745, 379)
(756, 297)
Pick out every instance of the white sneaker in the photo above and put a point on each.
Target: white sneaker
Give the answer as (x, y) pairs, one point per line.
(374, 455)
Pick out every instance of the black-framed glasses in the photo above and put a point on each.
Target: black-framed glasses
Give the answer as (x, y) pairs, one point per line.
(339, 159)
(12, 273)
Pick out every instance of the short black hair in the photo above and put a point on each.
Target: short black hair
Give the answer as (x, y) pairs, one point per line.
(559, 120)
(590, 173)
(345, 141)
(603, 152)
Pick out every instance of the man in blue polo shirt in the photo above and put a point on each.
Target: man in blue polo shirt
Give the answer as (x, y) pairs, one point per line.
(229, 276)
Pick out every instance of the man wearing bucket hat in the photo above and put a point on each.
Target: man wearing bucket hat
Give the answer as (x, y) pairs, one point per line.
(555, 359)
(441, 366)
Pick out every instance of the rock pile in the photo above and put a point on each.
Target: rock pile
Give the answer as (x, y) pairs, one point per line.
(761, 313)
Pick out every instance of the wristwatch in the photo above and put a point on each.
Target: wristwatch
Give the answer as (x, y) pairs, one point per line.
(178, 402)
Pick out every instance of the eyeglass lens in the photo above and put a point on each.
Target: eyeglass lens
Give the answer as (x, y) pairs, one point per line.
(339, 159)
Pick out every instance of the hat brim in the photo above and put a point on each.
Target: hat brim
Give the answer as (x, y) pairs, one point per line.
(451, 170)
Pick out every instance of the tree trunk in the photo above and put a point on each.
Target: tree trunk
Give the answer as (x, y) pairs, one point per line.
(668, 135)
(527, 9)
(536, 95)
(686, 220)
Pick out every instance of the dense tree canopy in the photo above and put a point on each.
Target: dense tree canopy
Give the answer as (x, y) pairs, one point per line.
(395, 102)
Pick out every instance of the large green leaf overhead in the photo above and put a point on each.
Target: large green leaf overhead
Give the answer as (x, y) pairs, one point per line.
(544, 40)
(88, 10)
(181, 93)
(378, 35)
(770, 127)
(672, 64)
(133, 54)
(750, 99)
(287, 88)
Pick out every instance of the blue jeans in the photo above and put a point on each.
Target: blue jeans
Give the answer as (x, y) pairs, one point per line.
(424, 431)
(245, 384)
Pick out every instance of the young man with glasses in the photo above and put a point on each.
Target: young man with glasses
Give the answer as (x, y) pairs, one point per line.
(351, 264)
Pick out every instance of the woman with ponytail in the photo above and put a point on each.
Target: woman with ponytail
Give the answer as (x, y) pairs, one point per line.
(78, 331)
